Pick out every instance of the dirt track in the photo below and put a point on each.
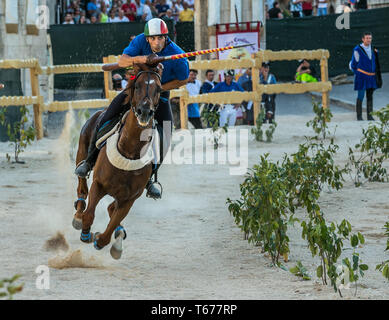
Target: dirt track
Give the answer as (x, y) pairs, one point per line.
(185, 246)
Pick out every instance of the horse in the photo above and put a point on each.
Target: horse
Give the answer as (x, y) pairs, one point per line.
(109, 178)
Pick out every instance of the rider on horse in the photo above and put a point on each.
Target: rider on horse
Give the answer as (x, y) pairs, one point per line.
(154, 40)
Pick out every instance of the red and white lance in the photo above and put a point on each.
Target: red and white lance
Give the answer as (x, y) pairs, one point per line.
(158, 59)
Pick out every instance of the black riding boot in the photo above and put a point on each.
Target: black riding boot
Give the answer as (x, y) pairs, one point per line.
(369, 105)
(86, 165)
(359, 110)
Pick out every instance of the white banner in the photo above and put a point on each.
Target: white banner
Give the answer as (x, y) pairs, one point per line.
(234, 39)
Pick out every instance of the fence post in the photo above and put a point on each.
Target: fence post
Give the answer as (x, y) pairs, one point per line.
(324, 78)
(255, 80)
(106, 79)
(37, 107)
(184, 110)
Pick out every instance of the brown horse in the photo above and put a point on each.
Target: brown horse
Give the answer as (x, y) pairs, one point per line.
(124, 186)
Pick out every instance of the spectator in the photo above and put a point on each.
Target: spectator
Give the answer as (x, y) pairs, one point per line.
(296, 8)
(127, 77)
(344, 7)
(91, 8)
(365, 65)
(77, 16)
(307, 8)
(246, 76)
(243, 81)
(112, 16)
(193, 86)
(268, 100)
(305, 72)
(130, 10)
(83, 18)
(147, 12)
(187, 14)
(68, 19)
(190, 4)
(169, 16)
(162, 7)
(103, 17)
(207, 86)
(275, 12)
(93, 19)
(229, 112)
(361, 4)
(177, 8)
(322, 7)
(73, 7)
(121, 17)
(117, 82)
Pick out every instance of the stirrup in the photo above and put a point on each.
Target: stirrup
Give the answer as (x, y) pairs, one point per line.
(149, 185)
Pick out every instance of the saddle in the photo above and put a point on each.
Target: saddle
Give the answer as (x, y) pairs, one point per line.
(108, 129)
(109, 135)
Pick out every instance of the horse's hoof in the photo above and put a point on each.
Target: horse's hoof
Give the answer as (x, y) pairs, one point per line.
(115, 253)
(117, 247)
(117, 232)
(95, 238)
(77, 223)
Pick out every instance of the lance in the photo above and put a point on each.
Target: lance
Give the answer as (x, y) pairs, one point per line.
(158, 59)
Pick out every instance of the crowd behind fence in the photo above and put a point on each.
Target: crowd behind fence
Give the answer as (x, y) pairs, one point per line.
(255, 63)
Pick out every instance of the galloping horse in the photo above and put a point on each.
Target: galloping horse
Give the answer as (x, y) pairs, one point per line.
(112, 177)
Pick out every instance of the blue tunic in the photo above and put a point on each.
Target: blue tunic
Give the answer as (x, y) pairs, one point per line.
(363, 68)
(173, 69)
(224, 87)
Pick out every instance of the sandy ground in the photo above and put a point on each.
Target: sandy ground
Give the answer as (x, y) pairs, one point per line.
(185, 246)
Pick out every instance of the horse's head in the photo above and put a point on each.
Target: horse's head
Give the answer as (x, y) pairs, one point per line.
(144, 91)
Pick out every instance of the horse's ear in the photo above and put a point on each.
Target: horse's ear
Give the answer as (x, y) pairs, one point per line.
(160, 69)
(132, 73)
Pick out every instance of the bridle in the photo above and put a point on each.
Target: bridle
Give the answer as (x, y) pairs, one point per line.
(147, 91)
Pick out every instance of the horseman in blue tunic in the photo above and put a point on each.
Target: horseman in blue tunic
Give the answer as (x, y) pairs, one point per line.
(364, 64)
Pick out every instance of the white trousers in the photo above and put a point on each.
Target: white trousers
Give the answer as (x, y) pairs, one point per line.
(228, 115)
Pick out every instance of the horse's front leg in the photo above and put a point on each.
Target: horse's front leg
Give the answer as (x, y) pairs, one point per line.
(120, 211)
(96, 193)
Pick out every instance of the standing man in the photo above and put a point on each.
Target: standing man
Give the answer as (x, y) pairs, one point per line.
(229, 112)
(364, 63)
(266, 77)
(208, 84)
(154, 40)
(193, 86)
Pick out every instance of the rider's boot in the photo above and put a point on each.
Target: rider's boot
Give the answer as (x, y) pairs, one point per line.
(85, 166)
(152, 190)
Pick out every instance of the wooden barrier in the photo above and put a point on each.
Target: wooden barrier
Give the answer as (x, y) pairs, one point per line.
(37, 100)
(323, 86)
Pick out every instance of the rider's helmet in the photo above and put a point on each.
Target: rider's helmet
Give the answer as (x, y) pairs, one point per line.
(156, 27)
